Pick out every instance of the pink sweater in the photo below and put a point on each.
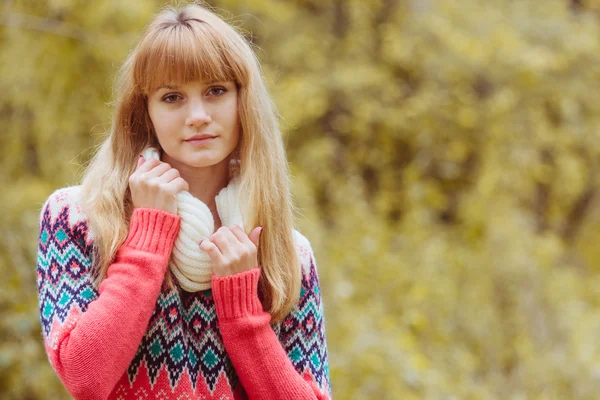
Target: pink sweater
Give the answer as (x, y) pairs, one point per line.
(134, 338)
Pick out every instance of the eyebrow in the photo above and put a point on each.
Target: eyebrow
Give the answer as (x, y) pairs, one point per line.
(172, 87)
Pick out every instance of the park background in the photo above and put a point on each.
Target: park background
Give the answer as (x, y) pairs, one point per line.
(445, 159)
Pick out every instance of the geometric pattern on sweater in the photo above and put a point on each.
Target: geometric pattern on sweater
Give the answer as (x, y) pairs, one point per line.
(302, 332)
(182, 340)
(64, 261)
(183, 334)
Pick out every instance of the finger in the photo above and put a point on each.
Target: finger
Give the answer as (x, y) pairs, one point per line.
(143, 165)
(213, 252)
(168, 176)
(255, 235)
(177, 185)
(226, 241)
(157, 171)
(147, 165)
(241, 235)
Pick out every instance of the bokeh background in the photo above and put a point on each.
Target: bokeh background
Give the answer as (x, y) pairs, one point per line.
(445, 157)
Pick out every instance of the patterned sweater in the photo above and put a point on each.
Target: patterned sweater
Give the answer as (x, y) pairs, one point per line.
(134, 338)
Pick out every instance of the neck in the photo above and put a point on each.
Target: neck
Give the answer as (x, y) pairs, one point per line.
(206, 182)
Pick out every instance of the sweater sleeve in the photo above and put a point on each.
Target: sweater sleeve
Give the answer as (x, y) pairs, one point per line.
(294, 366)
(90, 335)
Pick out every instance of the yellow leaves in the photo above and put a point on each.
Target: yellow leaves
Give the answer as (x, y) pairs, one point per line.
(416, 320)
(570, 109)
(457, 151)
(427, 195)
(587, 246)
(418, 293)
(542, 173)
(406, 341)
(493, 304)
(299, 102)
(57, 6)
(503, 102)
(470, 292)
(592, 4)
(548, 248)
(464, 359)
(420, 363)
(537, 59)
(344, 289)
(467, 117)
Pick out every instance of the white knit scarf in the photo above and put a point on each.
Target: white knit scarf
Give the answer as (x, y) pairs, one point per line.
(188, 263)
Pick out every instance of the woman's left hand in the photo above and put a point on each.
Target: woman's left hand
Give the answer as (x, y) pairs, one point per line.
(231, 251)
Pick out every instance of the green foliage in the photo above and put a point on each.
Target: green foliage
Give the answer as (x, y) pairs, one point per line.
(445, 158)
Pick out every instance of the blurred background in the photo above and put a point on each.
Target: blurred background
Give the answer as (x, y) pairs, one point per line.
(445, 158)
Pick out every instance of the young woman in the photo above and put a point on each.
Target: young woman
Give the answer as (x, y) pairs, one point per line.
(127, 308)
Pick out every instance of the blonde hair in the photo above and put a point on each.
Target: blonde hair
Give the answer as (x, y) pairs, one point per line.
(180, 45)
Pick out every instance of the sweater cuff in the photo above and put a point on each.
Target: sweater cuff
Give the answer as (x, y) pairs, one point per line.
(152, 230)
(236, 296)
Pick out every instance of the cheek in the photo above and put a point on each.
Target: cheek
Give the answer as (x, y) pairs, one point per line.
(231, 115)
(233, 126)
(162, 121)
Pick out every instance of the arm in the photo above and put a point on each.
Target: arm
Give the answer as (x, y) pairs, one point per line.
(91, 337)
(295, 368)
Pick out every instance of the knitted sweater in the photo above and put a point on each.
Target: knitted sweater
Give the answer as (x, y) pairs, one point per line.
(134, 338)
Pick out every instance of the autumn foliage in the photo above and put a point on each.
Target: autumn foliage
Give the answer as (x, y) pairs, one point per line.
(445, 157)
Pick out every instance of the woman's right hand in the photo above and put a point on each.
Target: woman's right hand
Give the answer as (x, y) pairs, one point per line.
(154, 184)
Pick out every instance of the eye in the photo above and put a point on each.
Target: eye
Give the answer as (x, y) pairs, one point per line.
(217, 90)
(170, 96)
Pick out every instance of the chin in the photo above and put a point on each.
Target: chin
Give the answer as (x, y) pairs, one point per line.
(202, 162)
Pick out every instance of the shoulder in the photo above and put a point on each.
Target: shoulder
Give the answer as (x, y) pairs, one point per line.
(63, 209)
(305, 252)
(66, 197)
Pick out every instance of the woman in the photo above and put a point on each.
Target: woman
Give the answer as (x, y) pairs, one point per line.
(121, 317)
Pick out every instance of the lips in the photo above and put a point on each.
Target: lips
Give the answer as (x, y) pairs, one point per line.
(200, 137)
(201, 142)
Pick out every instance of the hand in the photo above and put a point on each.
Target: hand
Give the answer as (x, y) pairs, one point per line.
(154, 184)
(231, 251)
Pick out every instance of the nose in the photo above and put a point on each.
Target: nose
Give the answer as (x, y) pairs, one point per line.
(198, 113)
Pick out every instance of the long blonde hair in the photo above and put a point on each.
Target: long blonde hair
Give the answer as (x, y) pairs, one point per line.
(180, 45)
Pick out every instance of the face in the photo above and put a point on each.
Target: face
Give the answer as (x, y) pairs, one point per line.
(180, 112)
